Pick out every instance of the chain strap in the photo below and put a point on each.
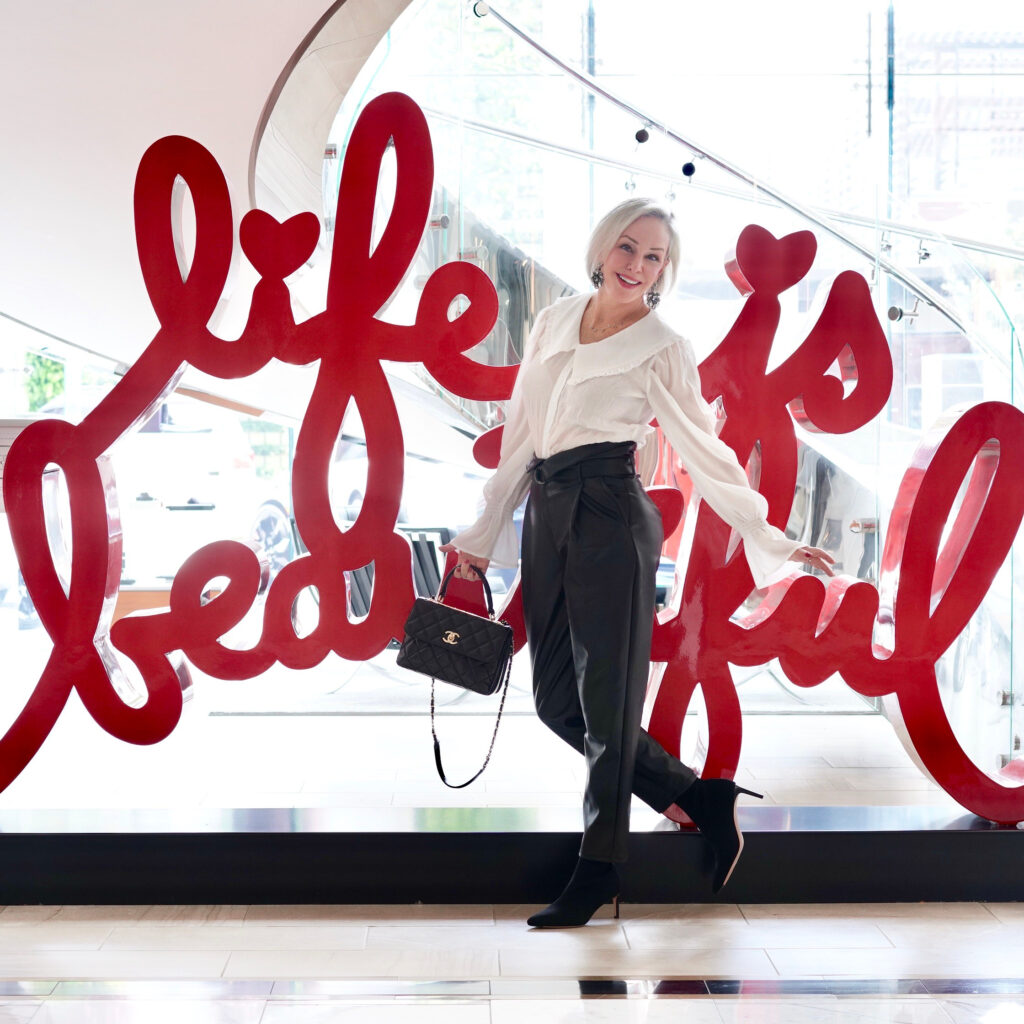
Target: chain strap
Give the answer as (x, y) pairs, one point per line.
(494, 735)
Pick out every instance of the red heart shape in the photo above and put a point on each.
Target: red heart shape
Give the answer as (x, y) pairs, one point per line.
(767, 264)
(275, 249)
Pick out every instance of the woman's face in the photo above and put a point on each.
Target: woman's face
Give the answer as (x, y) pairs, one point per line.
(636, 260)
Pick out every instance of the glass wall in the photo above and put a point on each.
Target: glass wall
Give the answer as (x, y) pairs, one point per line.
(890, 131)
(877, 121)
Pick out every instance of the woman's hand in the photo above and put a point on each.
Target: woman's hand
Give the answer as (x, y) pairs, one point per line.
(816, 558)
(463, 570)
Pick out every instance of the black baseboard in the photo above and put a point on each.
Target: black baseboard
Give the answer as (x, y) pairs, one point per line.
(465, 855)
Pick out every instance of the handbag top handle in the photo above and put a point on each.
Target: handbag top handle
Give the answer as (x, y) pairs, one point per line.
(443, 589)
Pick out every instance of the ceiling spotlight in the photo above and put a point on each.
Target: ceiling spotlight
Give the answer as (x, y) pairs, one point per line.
(689, 169)
(643, 135)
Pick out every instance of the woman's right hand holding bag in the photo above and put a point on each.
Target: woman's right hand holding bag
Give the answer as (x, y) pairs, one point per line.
(466, 563)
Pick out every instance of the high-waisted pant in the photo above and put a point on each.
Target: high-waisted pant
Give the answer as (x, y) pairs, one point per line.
(591, 543)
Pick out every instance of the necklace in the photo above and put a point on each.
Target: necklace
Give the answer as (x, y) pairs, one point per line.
(596, 331)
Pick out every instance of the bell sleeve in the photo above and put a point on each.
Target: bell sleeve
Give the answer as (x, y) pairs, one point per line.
(673, 391)
(493, 535)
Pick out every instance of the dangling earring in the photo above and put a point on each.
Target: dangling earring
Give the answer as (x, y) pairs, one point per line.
(597, 277)
(653, 297)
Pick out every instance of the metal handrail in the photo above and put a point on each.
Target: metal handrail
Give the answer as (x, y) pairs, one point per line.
(910, 281)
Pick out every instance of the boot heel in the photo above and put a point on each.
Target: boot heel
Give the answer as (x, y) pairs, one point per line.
(712, 807)
(615, 907)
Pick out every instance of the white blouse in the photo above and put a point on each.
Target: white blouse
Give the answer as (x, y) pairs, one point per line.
(568, 394)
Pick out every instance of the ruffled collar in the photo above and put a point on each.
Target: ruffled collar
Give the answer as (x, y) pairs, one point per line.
(615, 354)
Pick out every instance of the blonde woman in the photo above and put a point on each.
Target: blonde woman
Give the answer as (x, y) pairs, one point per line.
(597, 368)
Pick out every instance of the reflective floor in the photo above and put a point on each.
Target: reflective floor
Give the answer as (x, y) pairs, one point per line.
(719, 964)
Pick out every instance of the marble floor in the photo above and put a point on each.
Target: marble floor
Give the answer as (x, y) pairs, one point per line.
(947, 963)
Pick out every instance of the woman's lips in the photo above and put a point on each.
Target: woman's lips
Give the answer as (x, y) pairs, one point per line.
(628, 282)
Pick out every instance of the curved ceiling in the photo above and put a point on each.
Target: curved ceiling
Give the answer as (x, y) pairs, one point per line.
(90, 86)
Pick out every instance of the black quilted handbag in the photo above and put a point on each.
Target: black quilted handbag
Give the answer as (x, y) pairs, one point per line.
(461, 648)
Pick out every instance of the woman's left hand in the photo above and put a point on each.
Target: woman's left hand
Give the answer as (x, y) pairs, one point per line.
(816, 558)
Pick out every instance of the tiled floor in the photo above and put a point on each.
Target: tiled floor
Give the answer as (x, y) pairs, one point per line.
(720, 964)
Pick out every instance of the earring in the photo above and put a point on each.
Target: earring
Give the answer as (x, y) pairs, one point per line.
(597, 278)
(653, 297)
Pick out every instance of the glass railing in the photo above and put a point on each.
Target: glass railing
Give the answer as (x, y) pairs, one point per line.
(519, 132)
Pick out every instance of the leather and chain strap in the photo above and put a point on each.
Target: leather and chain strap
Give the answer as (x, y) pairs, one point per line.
(442, 590)
(494, 735)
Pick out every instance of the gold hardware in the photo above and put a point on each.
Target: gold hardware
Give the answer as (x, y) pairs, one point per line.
(450, 636)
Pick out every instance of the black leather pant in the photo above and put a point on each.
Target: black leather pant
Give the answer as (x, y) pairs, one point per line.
(591, 543)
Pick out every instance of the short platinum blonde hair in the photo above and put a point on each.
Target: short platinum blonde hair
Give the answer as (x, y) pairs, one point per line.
(611, 226)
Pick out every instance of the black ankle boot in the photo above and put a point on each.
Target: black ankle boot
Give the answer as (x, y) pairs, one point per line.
(593, 883)
(711, 805)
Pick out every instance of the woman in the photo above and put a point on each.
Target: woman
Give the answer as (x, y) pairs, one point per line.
(597, 368)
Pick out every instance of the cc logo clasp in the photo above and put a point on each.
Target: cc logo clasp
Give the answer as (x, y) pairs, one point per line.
(450, 636)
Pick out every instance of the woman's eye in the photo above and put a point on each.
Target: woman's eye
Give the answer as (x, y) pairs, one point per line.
(653, 256)
(625, 247)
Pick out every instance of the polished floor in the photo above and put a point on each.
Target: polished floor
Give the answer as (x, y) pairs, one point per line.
(704, 964)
